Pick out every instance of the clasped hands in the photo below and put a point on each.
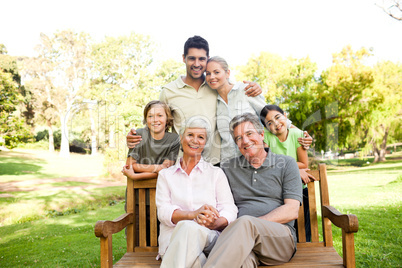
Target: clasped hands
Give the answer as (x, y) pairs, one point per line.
(206, 216)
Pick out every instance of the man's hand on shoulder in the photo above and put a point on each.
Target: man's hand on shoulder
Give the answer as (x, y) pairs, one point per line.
(133, 139)
(252, 89)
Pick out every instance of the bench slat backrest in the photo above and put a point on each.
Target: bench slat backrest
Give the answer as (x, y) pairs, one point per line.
(321, 176)
(145, 239)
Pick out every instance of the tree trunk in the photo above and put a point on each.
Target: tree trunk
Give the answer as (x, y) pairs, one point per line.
(51, 136)
(94, 146)
(64, 147)
(376, 152)
(383, 145)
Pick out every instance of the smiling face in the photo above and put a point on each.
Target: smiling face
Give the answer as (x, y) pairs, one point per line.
(276, 122)
(196, 62)
(249, 141)
(193, 141)
(216, 76)
(156, 119)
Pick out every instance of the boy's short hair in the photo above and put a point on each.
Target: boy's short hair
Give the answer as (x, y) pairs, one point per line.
(196, 42)
(169, 117)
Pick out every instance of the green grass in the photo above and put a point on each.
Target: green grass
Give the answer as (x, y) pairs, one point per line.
(337, 164)
(19, 165)
(67, 241)
(48, 219)
(373, 194)
(47, 183)
(32, 205)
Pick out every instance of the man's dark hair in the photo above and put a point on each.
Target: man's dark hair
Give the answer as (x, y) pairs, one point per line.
(196, 42)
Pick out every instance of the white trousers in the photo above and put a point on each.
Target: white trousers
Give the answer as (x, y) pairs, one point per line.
(187, 245)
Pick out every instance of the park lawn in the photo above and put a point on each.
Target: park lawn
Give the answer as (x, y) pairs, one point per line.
(20, 164)
(373, 194)
(33, 205)
(45, 183)
(60, 241)
(49, 218)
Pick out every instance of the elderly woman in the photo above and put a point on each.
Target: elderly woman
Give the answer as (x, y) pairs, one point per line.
(194, 202)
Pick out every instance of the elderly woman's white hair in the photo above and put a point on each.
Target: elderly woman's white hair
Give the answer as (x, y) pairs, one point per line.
(197, 122)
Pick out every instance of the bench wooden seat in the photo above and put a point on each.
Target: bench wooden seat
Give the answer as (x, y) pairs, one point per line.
(142, 245)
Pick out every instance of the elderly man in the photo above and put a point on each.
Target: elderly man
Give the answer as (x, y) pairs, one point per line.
(267, 191)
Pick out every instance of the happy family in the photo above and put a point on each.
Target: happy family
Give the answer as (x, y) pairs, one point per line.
(232, 169)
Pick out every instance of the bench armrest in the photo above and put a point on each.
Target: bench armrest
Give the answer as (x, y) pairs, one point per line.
(106, 228)
(347, 222)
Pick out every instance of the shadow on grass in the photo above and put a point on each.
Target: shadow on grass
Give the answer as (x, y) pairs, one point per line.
(33, 205)
(18, 163)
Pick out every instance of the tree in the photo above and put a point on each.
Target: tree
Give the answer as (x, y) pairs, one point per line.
(393, 8)
(3, 49)
(12, 127)
(66, 57)
(297, 87)
(14, 102)
(9, 64)
(37, 73)
(168, 71)
(267, 70)
(122, 81)
(383, 115)
(340, 97)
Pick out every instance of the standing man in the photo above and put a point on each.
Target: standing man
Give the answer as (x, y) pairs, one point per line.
(190, 95)
(267, 190)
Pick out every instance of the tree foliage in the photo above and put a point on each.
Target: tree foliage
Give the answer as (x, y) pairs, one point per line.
(122, 74)
(13, 102)
(297, 87)
(340, 97)
(12, 127)
(381, 119)
(344, 107)
(267, 70)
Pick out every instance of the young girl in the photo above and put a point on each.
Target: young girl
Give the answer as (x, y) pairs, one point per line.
(284, 140)
(158, 148)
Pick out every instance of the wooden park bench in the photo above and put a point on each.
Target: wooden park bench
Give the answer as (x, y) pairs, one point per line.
(142, 246)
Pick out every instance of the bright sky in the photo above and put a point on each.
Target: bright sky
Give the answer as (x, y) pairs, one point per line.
(234, 29)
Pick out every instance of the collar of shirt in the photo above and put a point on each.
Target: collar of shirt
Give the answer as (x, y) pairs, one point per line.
(234, 88)
(200, 165)
(180, 83)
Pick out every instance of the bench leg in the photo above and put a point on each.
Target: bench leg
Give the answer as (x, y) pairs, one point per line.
(348, 242)
(106, 252)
